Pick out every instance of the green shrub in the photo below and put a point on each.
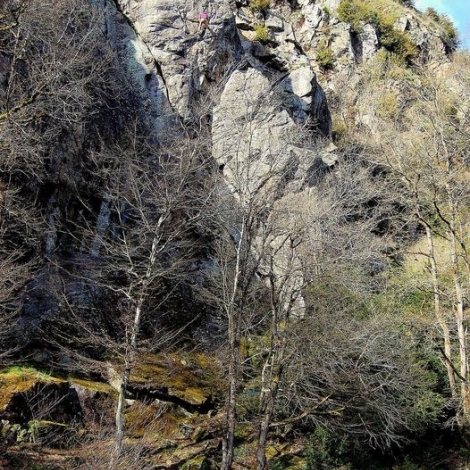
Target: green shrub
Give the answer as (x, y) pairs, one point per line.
(348, 13)
(325, 450)
(356, 13)
(261, 33)
(281, 463)
(449, 35)
(387, 107)
(432, 13)
(260, 5)
(339, 132)
(395, 41)
(325, 57)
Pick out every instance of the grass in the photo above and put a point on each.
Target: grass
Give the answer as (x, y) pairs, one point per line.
(325, 57)
(260, 5)
(94, 385)
(261, 33)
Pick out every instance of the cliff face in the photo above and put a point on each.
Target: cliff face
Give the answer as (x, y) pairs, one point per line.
(287, 56)
(162, 185)
(192, 64)
(167, 55)
(256, 79)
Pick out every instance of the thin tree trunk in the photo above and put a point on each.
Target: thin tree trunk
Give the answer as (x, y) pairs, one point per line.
(131, 353)
(234, 320)
(231, 417)
(438, 312)
(460, 321)
(281, 304)
(456, 272)
(120, 422)
(130, 362)
(269, 402)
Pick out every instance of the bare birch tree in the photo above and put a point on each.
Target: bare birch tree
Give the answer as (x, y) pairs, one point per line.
(431, 160)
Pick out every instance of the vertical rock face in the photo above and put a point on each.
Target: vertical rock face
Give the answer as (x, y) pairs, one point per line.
(256, 71)
(173, 62)
(169, 55)
(173, 47)
(261, 93)
(253, 141)
(141, 67)
(249, 131)
(253, 76)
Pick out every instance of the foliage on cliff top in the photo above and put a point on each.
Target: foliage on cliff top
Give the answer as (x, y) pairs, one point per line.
(449, 33)
(382, 15)
(355, 12)
(260, 5)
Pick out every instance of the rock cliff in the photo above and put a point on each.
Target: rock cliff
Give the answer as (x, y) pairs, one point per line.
(186, 152)
(257, 78)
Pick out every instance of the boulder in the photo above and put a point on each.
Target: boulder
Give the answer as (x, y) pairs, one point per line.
(35, 408)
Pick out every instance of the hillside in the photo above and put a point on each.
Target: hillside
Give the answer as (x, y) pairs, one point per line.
(234, 235)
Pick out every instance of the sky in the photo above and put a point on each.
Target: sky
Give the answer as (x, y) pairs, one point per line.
(457, 10)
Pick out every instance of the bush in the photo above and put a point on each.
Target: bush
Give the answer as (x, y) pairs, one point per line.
(357, 13)
(348, 13)
(388, 106)
(450, 35)
(325, 57)
(325, 450)
(261, 33)
(397, 42)
(339, 132)
(432, 13)
(260, 5)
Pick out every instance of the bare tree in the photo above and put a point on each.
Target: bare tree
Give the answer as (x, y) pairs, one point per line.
(52, 56)
(139, 258)
(156, 247)
(431, 162)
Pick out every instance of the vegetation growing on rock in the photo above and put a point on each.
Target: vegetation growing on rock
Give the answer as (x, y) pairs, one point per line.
(383, 18)
(221, 258)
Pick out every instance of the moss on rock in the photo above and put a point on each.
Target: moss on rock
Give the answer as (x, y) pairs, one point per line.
(192, 377)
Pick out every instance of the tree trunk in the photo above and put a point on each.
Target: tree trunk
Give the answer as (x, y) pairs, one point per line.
(439, 315)
(120, 421)
(130, 362)
(270, 400)
(461, 328)
(234, 326)
(231, 416)
(281, 298)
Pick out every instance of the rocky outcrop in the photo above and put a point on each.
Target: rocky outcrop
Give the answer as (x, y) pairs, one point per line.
(170, 57)
(167, 56)
(189, 383)
(45, 411)
(254, 136)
